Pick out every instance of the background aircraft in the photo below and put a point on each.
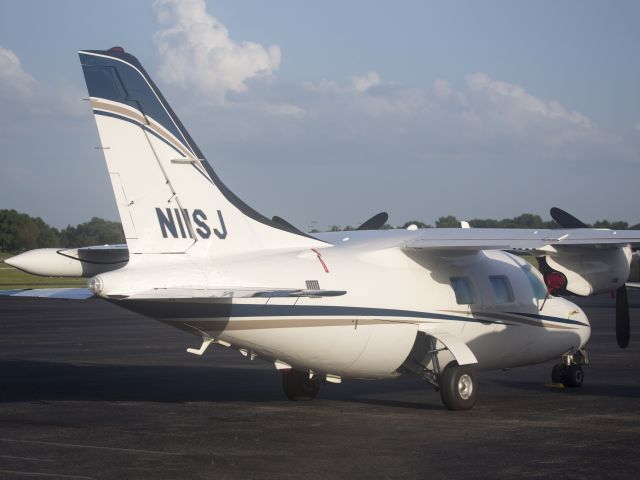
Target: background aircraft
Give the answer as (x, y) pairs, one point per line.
(439, 304)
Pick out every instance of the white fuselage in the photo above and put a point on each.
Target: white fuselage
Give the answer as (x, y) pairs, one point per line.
(370, 331)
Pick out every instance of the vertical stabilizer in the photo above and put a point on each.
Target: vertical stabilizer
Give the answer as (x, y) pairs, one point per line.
(169, 198)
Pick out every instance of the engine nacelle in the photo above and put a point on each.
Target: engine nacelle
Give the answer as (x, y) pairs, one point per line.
(590, 271)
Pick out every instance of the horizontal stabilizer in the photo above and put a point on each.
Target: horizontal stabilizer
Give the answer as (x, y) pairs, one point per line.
(71, 262)
(61, 293)
(300, 293)
(231, 292)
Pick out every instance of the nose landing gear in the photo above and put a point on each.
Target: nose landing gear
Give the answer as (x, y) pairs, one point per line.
(569, 372)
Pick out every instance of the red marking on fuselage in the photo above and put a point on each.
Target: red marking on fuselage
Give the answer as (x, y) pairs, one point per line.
(324, 265)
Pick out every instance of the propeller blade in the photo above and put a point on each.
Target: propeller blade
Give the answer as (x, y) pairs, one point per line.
(623, 329)
(566, 220)
(375, 222)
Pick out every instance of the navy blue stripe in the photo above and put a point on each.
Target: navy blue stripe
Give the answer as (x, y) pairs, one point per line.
(239, 310)
(121, 81)
(226, 309)
(141, 125)
(202, 173)
(552, 319)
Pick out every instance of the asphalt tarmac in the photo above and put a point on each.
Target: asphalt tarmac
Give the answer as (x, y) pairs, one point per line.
(90, 391)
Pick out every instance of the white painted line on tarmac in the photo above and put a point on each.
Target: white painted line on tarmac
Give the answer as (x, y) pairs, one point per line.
(27, 458)
(95, 447)
(49, 475)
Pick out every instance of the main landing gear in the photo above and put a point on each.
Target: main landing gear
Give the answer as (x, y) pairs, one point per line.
(458, 386)
(569, 371)
(298, 386)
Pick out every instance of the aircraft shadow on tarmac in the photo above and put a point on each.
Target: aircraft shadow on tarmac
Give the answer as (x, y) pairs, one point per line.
(23, 381)
(35, 380)
(588, 389)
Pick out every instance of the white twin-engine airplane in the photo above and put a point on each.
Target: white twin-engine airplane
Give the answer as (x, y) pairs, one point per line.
(440, 304)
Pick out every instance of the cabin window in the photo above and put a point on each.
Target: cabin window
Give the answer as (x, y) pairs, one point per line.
(464, 290)
(539, 288)
(501, 288)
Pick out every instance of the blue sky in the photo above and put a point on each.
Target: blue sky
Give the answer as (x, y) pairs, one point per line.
(337, 110)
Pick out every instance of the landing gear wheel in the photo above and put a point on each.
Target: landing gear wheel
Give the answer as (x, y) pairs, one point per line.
(568, 375)
(558, 374)
(298, 386)
(458, 387)
(574, 376)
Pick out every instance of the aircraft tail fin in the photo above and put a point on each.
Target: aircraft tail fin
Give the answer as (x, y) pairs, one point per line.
(169, 198)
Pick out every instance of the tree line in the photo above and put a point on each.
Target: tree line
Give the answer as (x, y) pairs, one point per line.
(20, 232)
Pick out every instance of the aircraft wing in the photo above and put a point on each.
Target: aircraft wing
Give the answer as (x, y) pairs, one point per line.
(61, 293)
(525, 239)
(484, 238)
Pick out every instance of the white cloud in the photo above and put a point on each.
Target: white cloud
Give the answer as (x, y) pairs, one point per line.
(197, 51)
(443, 89)
(476, 134)
(354, 84)
(479, 118)
(362, 84)
(14, 81)
(483, 114)
(284, 109)
(502, 95)
(21, 95)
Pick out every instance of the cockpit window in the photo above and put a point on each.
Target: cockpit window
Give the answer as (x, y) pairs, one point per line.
(501, 288)
(463, 289)
(539, 288)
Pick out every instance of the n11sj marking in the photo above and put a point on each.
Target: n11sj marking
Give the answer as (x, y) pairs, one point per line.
(175, 222)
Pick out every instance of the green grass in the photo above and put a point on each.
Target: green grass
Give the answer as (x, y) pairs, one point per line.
(532, 260)
(12, 278)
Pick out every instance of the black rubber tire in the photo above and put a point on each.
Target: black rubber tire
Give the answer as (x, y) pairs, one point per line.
(458, 387)
(559, 374)
(298, 386)
(574, 376)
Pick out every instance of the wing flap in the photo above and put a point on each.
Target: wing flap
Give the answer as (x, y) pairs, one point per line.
(61, 293)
